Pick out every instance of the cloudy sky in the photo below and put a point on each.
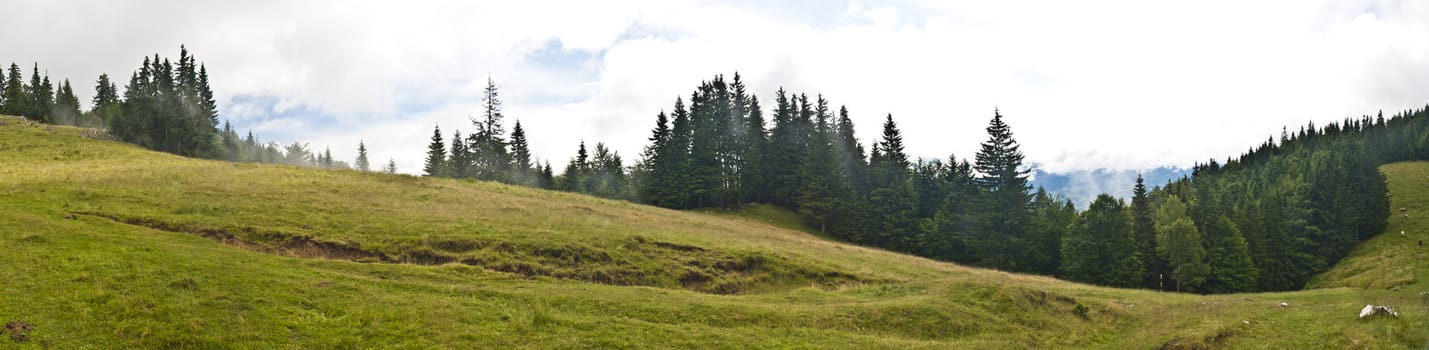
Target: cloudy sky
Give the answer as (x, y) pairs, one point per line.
(1084, 84)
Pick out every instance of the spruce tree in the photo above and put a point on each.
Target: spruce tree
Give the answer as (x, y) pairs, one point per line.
(391, 166)
(1099, 249)
(1051, 218)
(522, 172)
(490, 160)
(17, 95)
(436, 154)
(1144, 229)
(892, 202)
(951, 231)
(106, 100)
(361, 161)
(459, 161)
(823, 193)
(655, 163)
(1002, 208)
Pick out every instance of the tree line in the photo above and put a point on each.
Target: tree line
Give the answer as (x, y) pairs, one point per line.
(1266, 221)
(166, 106)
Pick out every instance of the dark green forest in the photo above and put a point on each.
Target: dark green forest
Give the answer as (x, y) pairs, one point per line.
(166, 106)
(1267, 220)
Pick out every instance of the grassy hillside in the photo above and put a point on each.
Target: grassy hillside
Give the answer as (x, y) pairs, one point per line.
(107, 245)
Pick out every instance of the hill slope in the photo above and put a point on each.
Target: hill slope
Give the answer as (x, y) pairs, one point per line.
(108, 245)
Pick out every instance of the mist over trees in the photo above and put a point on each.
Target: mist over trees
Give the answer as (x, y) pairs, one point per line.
(167, 105)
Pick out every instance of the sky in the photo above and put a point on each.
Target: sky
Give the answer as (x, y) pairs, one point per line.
(1083, 84)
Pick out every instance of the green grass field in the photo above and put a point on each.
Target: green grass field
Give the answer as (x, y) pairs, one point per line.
(106, 245)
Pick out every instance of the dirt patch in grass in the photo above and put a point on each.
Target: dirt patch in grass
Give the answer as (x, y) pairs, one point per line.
(19, 330)
(635, 261)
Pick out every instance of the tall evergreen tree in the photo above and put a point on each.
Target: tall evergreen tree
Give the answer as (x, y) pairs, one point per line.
(1051, 218)
(361, 161)
(17, 95)
(755, 144)
(522, 171)
(1002, 213)
(391, 166)
(573, 179)
(823, 194)
(460, 159)
(106, 100)
(436, 154)
(655, 164)
(1099, 248)
(892, 202)
(490, 159)
(1144, 230)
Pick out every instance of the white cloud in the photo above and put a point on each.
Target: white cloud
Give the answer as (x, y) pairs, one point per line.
(1120, 84)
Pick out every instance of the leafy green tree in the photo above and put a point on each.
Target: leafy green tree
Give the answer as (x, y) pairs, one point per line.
(436, 154)
(1178, 242)
(1099, 248)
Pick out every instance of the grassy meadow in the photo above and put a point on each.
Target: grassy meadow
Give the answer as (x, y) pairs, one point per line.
(106, 245)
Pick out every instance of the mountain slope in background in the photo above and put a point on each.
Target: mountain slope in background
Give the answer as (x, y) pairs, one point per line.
(1083, 186)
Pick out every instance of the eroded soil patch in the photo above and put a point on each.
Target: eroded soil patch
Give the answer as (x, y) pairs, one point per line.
(634, 261)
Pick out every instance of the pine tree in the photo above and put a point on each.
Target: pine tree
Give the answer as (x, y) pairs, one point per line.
(106, 101)
(1001, 212)
(1099, 249)
(1145, 232)
(823, 193)
(490, 160)
(459, 161)
(361, 161)
(327, 161)
(1051, 218)
(42, 97)
(756, 141)
(522, 172)
(391, 166)
(675, 190)
(17, 95)
(573, 180)
(547, 179)
(892, 202)
(655, 164)
(952, 226)
(436, 155)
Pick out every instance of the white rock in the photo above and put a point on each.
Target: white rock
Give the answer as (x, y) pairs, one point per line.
(1370, 310)
(1284, 304)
